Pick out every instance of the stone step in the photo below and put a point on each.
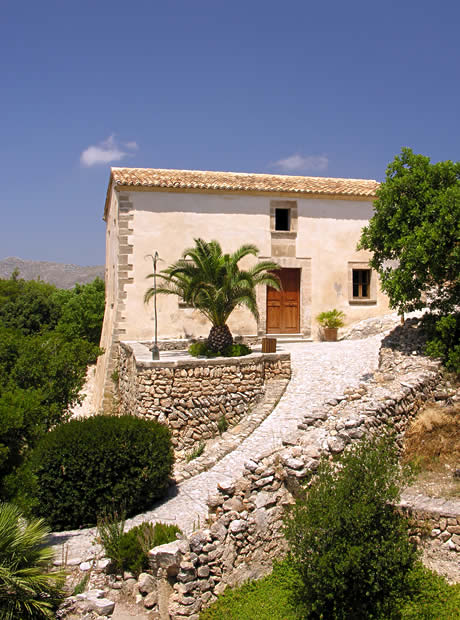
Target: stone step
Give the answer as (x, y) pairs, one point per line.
(284, 338)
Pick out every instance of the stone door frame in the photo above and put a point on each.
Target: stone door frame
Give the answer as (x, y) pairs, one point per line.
(304, 264)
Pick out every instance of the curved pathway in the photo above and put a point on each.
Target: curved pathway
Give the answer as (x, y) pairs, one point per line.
(320, 371)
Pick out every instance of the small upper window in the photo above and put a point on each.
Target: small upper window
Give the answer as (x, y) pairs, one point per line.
(282, 219)
(361, 283)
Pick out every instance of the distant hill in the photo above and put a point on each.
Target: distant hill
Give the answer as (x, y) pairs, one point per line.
(59, 274)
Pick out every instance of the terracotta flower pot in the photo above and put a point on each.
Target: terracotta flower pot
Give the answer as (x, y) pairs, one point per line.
(330, 334)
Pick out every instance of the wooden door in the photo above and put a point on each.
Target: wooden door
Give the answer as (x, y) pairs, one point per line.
(283, 307)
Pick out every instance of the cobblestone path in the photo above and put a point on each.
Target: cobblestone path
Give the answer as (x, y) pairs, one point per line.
(321, 370)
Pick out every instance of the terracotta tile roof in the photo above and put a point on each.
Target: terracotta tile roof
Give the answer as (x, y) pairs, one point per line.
(241, 182)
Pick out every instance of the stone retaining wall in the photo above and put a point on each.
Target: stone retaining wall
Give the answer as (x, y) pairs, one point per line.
(436, 518)
(191, 395)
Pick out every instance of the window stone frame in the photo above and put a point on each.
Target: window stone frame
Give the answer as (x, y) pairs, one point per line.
(362, 301)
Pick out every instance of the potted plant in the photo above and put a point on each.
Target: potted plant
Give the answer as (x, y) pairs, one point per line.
(330, 322)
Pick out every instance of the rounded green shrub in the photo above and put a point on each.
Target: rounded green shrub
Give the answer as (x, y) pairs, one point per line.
(89, 467)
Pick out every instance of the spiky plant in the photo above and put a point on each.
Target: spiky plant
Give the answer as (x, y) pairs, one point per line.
(214, 284)
(27, 591)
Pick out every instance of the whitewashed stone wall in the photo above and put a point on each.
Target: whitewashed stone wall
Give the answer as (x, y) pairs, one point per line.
(191, 395)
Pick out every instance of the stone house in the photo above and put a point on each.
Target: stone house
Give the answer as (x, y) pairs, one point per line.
(309, 225)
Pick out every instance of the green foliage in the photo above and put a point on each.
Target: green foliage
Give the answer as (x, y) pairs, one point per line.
(198, 451)
(27, 591)
(429, 597)
(81, 585)
(444, 338)
(133, 557)
(164, 533)
(213, 283)
(83, 312)
(110, 529)
(87, 467)
(266, 599)
(349, 546)
(28, 306)
(129, 550)
(47, 339)
(237, 350)
(414, 233)
(331, 318)
(201, 349)
(222, 424)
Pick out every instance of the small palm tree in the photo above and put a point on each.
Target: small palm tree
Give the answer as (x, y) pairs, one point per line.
(214, 284)
(27, 591)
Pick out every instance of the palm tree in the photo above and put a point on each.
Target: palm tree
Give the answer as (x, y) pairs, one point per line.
(27, 591)
(214, 284)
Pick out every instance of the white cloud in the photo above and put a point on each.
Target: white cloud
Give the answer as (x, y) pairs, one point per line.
(299, 163)
(106, 152)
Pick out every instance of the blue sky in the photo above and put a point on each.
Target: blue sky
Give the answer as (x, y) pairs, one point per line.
(324, 89)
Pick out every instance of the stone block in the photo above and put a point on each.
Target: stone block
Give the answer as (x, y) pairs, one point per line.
(146, 583)
(167, 557)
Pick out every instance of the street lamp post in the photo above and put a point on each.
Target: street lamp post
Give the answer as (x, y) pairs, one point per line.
(155, 350)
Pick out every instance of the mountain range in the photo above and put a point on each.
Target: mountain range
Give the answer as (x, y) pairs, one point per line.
(59, 274)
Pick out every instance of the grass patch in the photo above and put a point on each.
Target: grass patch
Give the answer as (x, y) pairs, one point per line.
(265, 599)
(222, 424)
(81, 585)
(194, 454)
(431, 598)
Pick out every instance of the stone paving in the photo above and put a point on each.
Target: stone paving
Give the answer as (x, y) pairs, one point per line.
(320, 371)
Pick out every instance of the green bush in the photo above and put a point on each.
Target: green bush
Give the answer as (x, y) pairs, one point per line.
(133, 557)
(430, 597)
(89, 467)
(201, 349)
(137, 542)
(349, 546)
(129, 550)
(47, 339)
(27, 591)
(444, 338)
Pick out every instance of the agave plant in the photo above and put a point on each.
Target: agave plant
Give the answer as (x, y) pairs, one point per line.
(27, 591)
(214, 284)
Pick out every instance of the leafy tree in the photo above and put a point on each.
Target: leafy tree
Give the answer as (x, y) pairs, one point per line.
(28, 305)
(27, 591)
(414, 233)
(83, 311)
(47, 339)
(348, 545)
(214, 284)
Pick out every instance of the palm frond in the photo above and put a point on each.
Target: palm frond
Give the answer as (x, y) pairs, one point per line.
(27, 590)
(213, 283)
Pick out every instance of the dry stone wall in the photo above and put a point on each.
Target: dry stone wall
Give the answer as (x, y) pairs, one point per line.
(192, 395)
(434, 518)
